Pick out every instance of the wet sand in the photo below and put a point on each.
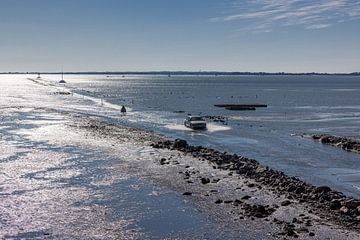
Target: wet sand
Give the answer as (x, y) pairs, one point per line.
(67, 172)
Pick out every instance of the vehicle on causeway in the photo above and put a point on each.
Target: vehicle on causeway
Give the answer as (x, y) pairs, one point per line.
(195, 122)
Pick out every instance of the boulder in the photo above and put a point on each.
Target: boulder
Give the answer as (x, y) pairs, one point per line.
(205, 180)
(344, 210)
(335, 205)
(179, 143)
(261, 169)
(322, 189)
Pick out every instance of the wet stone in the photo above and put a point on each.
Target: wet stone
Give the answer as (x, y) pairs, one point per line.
(246, 197)
(285, 203)
(205, 180)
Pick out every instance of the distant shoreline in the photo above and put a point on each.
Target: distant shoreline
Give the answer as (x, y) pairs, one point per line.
(202, 73)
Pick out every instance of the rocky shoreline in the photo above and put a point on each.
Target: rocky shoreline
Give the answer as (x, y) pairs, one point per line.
(347, 144)
(321, 200)
(268, 197)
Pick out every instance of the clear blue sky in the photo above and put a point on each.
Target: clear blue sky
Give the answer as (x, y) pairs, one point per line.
(224, 35)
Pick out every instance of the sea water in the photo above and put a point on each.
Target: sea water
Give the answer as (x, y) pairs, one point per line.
(296, 104)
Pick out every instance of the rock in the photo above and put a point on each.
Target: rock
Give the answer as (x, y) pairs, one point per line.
(316, 137)
(205, 180)
(322, 189)
(311, 234)
(335, 205)
(285, 203)
(291, 188)
(344, 210)
(325, 139)
(216, 180)
(246, 197)
(258, 210)
(351, 203)
(302, 230)
(237, 202)
(300, 189)
(179, 143)
(219, 201)
(187, 193)
(261, 169)
(289, 230)
(162, 161)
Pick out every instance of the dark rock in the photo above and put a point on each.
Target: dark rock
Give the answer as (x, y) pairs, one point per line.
(205, 180)
(351, 203)
(187, 193)
(289, 230)
(300, 189)
(162, 161)
(246, 197)
(325, 139)
(258, 211)
(285, 203)
(219, 201)
(322, 189)
(179, 143)
(215, 180)
(237, 202)
(335, 205)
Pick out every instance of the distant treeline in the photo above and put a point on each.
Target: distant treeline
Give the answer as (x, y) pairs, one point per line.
(203, 73)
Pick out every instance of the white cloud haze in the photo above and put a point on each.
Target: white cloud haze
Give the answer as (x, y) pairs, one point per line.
(264, 15)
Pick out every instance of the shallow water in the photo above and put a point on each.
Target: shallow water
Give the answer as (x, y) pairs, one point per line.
(59, 183)
(296, 104)
(56, 183)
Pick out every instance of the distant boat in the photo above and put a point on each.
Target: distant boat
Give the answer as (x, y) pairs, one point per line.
(62, 78)
(123, 109)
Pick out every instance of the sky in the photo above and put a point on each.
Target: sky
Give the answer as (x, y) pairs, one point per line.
(171, 35)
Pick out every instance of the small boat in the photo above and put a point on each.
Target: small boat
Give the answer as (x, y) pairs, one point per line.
(123, 110)
(195, 122)
(62, 78)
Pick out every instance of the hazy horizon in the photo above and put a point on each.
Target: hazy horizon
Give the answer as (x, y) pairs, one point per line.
(174, 72)
(291, 36)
